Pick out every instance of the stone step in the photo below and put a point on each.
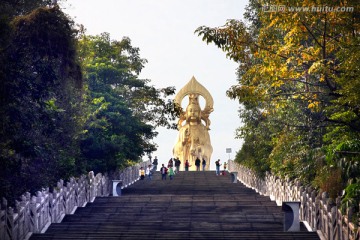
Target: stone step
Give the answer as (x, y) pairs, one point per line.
(154, 226)
(251, 196)
(170, 206)
(164, 234)
(200, 203)
(180, 217)
(185, 210)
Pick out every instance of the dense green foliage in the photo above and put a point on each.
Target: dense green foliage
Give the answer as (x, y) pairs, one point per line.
(70, 103)
(298, 83)
(40, 104)
(124, 110)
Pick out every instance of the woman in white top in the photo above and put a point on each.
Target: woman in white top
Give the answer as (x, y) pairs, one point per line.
(148, 172)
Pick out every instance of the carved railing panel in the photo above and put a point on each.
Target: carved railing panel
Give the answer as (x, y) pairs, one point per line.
(33, 214)
(320, 213)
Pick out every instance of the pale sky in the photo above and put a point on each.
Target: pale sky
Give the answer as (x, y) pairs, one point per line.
(164, 32)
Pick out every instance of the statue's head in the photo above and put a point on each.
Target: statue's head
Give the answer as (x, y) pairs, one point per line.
(193, 113)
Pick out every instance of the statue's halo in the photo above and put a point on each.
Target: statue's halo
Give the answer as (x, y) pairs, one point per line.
(193, 86)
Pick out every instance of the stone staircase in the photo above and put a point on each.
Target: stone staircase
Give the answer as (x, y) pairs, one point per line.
(194, 205)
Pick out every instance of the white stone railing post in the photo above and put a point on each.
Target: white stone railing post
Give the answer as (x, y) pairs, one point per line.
(91, 187)
(116, 189)
(81, 191)
(10, 216)
(291, 216)
(22, 217)
(69, 196)
(234, 177)
(34, 215)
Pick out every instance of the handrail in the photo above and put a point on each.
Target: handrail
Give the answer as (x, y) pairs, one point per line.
(317, 210)
(34, 214)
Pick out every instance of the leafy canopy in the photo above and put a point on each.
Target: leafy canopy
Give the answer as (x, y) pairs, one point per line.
(298, 83)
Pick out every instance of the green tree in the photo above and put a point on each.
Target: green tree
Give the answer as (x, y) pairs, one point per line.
(42, 102)
(257, 142)
(124, 110)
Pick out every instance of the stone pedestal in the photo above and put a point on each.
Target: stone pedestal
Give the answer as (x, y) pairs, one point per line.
(117, 184)
(291, 216)
(234, 177)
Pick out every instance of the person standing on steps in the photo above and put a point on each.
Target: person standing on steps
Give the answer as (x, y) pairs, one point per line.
(197, 164)
(149, 172)
(142, 173)
(155, 164)
(171, 173)
(163, 171)
(187, 165)
(170, 163)
(217, 164)
(225, 164)
(177, 165)
(203, 164)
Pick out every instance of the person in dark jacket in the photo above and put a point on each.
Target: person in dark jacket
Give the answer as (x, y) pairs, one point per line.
(163, 171)
(197, 164)
(217, 164)
(203, 164)
(177, 165)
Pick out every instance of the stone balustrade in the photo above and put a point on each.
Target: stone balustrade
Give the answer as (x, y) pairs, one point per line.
(317, 211)
(33, 214)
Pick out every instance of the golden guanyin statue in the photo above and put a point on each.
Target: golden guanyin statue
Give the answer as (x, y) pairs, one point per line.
(194, 124)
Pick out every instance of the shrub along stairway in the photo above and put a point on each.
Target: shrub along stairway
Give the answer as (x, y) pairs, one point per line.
(194, 205)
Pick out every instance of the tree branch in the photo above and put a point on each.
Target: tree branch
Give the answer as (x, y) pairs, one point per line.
(311, 33)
